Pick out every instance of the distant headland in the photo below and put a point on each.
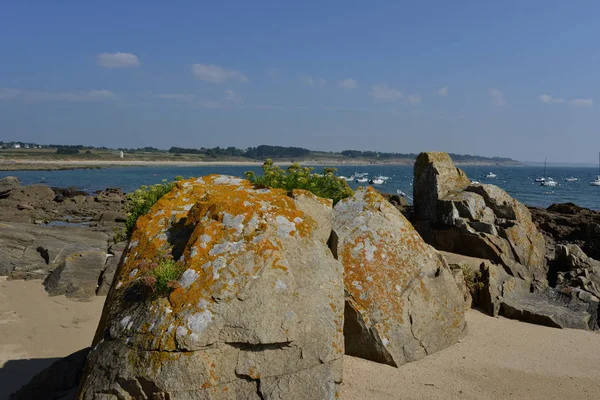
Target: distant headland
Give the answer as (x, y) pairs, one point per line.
(33, 156)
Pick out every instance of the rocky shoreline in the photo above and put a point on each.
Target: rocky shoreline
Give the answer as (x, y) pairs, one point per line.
(461, 246)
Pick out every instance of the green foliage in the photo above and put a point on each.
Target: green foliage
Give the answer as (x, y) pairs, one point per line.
(472, 278)
(140, 202)
(164, 275)
(325, 185)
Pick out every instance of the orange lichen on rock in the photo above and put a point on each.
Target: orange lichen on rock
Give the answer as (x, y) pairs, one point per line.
(394, 281)
(256, 271)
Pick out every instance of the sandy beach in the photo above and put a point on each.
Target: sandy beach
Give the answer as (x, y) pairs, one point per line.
(36, 330)
(34, 164)
(499, 358)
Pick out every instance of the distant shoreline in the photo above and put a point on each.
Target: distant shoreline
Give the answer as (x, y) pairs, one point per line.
(57, 165)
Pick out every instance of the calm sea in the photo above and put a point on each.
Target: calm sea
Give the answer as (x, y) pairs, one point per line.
(517, 181)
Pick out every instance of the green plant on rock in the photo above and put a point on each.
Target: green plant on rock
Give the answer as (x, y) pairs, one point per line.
(472, 278)
(161, 277)
(325, 185)
(140, 202)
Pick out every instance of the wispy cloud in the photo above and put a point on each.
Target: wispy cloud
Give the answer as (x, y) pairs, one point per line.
(231, 95)
(383, 92)
(310, 81)
(582, 102)
(442, 92)
(348, 84)
(209, 104)
(414, 99)
(546, 98)
(178, 97)
(215, 74)
(84, 96)
(8, 93)
(497, 97)
(117, 60)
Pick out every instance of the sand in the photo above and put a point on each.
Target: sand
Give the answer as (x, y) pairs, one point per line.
(499, 358)
(36, 330)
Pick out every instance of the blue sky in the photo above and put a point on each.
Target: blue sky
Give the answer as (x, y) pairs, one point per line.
(512, 78)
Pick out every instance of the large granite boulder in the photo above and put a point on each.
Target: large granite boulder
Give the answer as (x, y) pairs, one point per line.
(476, 220)
(257, 312)
(402, 302)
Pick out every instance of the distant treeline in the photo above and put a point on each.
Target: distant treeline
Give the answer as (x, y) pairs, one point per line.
(256, 153)
(259, 152)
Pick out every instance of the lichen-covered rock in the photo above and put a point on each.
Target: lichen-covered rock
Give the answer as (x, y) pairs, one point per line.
(402, 302)
(435, 177)
(256, 314)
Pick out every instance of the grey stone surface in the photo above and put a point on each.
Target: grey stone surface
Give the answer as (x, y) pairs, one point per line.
(73, 256)
(477, 220)
(257, 312)
(402, 301)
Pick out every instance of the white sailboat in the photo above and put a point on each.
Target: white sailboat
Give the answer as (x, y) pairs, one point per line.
(547, 181)
(596, 182)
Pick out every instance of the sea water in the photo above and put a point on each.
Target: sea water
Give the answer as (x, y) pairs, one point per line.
(519, 182)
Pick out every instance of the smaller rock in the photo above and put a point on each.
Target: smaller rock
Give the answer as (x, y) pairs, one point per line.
(77, 276)
(22, 206)
(552, 309)
(7, 185)
(110, 216)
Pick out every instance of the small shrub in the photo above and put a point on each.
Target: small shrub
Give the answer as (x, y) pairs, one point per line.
(325, 185)
(140, 202)
(161, 277)
(166, 273)
(472, 278)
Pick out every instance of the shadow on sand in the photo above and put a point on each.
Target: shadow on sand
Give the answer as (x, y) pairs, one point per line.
(16, 373)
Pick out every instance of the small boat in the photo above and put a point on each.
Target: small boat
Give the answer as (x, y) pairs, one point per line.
(540, 180)
(384, 178)
(597, 181)
(475, 183)
(402, 194)
(361, 174)
(546, 181)
(348, 178)
(549, 182)
(362, 180)
(491, 175)
(571, 179)
(376, 181)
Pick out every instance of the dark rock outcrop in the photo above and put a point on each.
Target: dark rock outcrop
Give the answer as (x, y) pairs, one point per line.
(483, 221)
(476, 220)
(568, 223)
(42, 204)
